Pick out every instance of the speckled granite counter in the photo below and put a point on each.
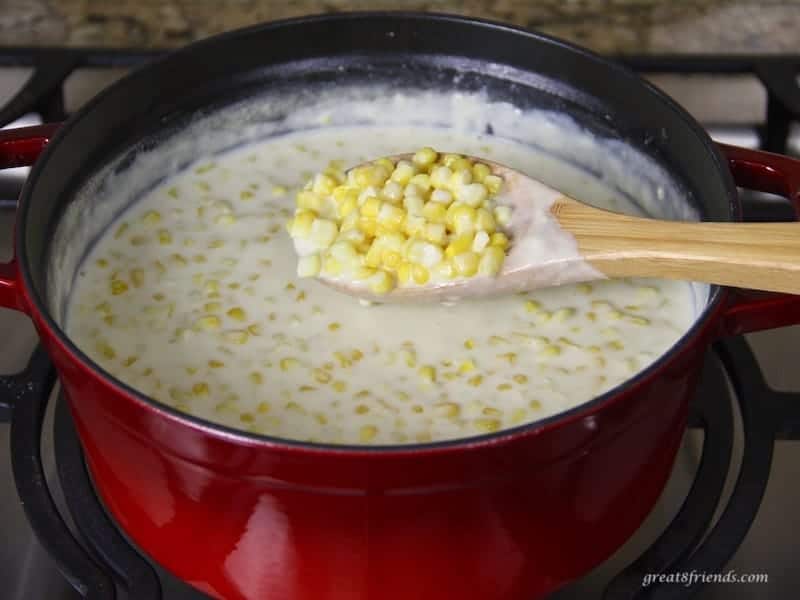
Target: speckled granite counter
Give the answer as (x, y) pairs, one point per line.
(618, 26)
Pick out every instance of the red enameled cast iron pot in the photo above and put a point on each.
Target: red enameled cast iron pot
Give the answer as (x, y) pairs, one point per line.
(512, 515)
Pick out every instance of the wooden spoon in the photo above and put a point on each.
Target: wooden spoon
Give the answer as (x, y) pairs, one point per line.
(558, 240)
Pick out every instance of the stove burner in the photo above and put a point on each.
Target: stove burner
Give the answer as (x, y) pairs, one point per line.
(100, 557)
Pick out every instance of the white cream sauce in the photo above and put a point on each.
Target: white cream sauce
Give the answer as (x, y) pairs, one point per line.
(298, 360)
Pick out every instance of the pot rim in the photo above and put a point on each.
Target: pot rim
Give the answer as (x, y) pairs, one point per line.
(54, 332)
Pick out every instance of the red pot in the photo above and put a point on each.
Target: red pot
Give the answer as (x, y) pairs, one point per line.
(512, 515)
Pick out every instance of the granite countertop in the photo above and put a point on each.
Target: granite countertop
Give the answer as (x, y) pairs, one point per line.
(610, 26)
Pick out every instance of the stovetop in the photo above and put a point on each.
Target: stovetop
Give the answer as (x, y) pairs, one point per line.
(748, 101)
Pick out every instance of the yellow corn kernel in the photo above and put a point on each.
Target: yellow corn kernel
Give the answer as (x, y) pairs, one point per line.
(466, 263)
(469, 344)
(123, 227)
(511, 357)
(367, 433)
(207, 323)
(484, 221)
(391, 217)
(562, 314)
(363, 273)
(236, 313)
(440, 175)
(137, 277)
(321, 375)
(200, 389)
(236, 336)
(339, 386)
(391, 259)
(463, 219)
(520, 379)
(419, 184)
(486, 425)
(425, 156)
(533, 306)
(420, 274)
(381, 283)
(403, 172)
(164, 237)
(459, 245)
(428, 373)
(491, 261)
(447, 409)
(636, 320)
(215, 364)
(493, 184)
(288, 363)
(499, 240)
(118, 287)
(551, 350)
(480, 171)
(256, 378)
(434, 212)
(106, 350)
(467, 366)
(404, 272)
(179, 259)
(151, 217)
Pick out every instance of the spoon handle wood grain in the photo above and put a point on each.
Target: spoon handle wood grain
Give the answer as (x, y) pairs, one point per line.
(763, 256)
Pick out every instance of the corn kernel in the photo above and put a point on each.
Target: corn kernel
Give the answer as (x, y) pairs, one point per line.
(420, 274)
(151, 217)
(493, 184)
(466, 263)
(309, 266)
(200, 389)
(123, 227)
(118, 287)
(499, 240)
(236, 336)
(237, 314)
(425, 156)
(367, 433)
(381, 283)
(428, 373)
(467, 366)
(434, 212)
(480, 171)
(487, 425)
(288, 363)
(207, 323)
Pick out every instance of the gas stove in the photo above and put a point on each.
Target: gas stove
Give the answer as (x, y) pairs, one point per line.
(726, 511)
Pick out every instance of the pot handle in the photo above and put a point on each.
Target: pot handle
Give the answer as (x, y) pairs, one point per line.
(19, 148)
(750, 310)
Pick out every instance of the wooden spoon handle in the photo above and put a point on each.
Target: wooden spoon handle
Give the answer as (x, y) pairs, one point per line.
(763, 256)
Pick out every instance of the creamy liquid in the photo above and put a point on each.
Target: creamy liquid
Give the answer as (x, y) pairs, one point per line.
(204, 312)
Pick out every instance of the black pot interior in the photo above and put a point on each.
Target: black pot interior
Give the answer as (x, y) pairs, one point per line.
(291, 65)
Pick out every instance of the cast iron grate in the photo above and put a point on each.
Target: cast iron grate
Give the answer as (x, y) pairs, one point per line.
(99, 560)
